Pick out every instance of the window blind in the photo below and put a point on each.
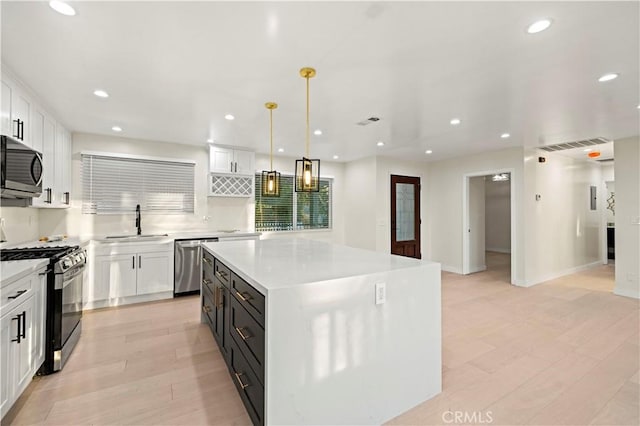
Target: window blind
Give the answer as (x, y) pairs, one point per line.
(112, 185)
(311, 210)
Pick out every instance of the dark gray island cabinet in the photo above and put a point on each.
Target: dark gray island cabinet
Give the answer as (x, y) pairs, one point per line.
(316, 333)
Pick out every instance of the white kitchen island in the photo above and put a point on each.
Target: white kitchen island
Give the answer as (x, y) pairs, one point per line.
(332, 355)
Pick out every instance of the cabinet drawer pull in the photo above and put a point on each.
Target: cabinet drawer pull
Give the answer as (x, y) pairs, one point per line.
(18, 294)
(221, 275)
(206, 309)
(243, 296)
(242, 335)
(206, 281)
(219, 298)
(24, 325)
(206, 260)
(242, 385)
(18, 333)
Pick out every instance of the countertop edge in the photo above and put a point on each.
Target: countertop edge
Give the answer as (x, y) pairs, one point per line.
(20, 268)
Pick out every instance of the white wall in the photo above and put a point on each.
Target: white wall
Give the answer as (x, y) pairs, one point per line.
(21, 224)
(223, 213)
(627, 172)
(498, 216)
(360, 212)
(444, 217)
(562, 233)
(286, 165)
(476, 227)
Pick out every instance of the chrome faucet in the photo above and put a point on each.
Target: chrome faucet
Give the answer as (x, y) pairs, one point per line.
(138, 219)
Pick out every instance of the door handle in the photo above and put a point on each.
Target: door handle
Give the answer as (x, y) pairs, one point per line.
(133, 262)
(242, 335)
(139, 261)
(243, 297)
(18, 294)
(21, 129)
(24, 324)
(49, 197)
(221, 275)
(17, 132)
(205, 260)
(18, 334)
(231, 166)
(242, 385)
(67, 196)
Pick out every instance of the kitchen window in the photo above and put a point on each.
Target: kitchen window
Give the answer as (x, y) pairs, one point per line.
(114, 184)
(293, 211)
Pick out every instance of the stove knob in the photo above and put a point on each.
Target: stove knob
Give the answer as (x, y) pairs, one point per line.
(66, 264)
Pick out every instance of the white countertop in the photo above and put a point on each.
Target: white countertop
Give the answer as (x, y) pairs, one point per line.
(74, 241)
(13, 270)
(179, 235)
(279, 263)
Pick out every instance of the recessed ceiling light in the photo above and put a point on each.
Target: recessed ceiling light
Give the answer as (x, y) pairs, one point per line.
(638, 107)
(380, 143)
(455, 121)
(505, 135)
(280, 149)
(229, 117)
(101, 93)
(608, 77)
(428, 151)
(539, 26)
(587, 150)
(317, 132)
(210, 140)
(116, 128)
(62, 7)
(335, 157)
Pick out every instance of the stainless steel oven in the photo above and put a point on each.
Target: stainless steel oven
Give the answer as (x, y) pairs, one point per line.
(67, 310)
(64, 299)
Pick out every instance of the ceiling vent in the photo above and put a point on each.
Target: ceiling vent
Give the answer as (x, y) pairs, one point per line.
(368, 121)
(576, 144)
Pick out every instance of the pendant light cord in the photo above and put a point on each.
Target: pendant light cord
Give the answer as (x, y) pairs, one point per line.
(271, 139)
(307, 78)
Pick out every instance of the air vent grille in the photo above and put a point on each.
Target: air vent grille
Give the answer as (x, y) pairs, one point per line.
(572, 145)
(368, 121)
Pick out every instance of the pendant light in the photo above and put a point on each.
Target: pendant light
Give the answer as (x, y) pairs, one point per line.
(270, 179)
(307, 170)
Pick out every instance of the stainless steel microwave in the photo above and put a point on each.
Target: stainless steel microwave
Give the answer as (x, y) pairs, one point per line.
(21, 170)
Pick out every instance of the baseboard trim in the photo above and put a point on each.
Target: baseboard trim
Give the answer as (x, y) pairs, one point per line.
(452, 269)
(553, 276)
(109, 303)
(498, 250)
(626, 292)
(474, 269)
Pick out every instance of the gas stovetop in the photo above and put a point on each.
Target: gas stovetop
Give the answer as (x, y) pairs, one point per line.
(54, 253)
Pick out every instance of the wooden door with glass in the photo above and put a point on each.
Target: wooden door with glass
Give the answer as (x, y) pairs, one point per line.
(405, 216)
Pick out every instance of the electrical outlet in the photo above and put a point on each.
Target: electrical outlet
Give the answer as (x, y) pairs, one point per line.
(381, 293)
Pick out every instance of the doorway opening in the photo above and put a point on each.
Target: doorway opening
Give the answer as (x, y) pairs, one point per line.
(405, 216)
(489, 224)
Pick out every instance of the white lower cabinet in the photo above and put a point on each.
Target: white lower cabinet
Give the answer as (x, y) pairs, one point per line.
(129, 270)
(154, 273)
(22, 337)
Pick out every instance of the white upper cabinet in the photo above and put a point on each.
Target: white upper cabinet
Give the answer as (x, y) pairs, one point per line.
(16, 112)
(5, 113)
(229, 160)
(23, 119)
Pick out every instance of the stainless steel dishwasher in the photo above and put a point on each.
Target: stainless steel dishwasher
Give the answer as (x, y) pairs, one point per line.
(188, 257)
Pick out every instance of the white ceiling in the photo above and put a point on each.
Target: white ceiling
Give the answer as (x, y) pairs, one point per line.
(174, 69)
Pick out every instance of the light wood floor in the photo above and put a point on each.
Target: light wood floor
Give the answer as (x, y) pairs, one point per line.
(562, 352)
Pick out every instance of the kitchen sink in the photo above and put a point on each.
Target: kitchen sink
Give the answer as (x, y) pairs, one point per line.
(134, 237)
